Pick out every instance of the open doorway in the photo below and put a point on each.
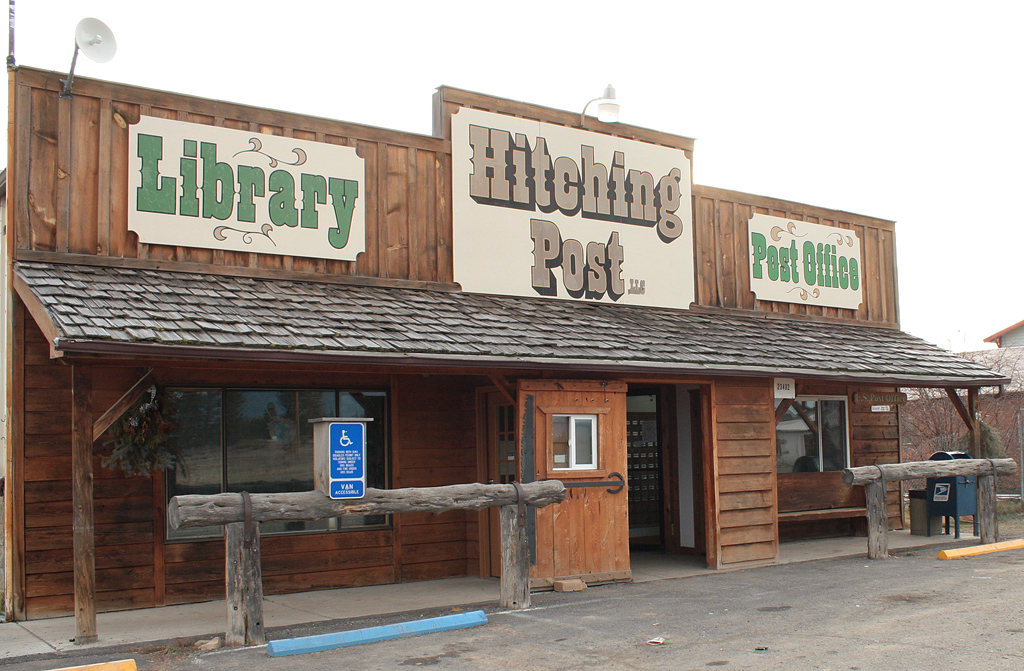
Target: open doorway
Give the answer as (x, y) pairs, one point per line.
(644, 470)
(664, 442)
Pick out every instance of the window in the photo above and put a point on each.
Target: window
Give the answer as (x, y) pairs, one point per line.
(574, 441)
(812, 436)
(261, 441)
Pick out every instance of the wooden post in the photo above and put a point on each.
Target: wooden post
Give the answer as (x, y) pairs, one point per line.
(987, 509)
(83, 538)
(878, 524)
(972, 410)
(244, 582)
(515, 560)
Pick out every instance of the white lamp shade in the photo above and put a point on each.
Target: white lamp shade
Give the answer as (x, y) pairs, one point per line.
(608, 111)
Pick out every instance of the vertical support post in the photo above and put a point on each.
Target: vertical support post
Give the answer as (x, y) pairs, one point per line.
(83, 538)
(972, 410)
(878, 524)
(987, 508)
(515, 560)
(1020, 448)
(244, 578)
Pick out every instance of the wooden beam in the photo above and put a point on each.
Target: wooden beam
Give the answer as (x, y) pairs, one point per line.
(198, 510)
(780, 411)
(39, 314)
(83, 538)
(808, 420)
(14, 504)
(503, 386)
(909, 470)
(959, 406)
(975, 424)
(122, 404)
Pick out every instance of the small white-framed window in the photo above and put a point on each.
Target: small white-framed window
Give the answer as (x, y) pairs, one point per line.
(812, 435)
(574, 442)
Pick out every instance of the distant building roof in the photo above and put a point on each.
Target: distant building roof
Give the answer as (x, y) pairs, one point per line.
(997, 338)
(133, 312)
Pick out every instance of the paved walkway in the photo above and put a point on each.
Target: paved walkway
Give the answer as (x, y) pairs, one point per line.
(190, 622)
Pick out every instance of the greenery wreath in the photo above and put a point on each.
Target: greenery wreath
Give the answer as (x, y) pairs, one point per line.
(140, 438)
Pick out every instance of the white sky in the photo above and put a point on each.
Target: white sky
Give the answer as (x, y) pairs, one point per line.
(902, 110)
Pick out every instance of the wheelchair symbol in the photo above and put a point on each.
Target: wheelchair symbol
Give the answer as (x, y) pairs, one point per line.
(345, 440)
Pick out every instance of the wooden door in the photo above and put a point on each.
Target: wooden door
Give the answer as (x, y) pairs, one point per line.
(587, 535)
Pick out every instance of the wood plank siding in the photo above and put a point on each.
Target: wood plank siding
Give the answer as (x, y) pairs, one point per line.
(406, 181)
(723, 279)
(744, 470)
(407, 195)
(135, 567)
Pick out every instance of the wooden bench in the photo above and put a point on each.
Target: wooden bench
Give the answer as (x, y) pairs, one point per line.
(827, 514)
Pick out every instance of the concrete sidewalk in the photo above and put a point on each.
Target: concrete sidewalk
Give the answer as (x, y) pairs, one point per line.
(184, 624)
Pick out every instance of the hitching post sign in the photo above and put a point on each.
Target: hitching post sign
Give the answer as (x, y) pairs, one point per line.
(193, 185)
(542, 210)
(339, 455)
(799, 262)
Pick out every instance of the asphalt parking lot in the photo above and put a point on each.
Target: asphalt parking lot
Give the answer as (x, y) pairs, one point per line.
(910, 612)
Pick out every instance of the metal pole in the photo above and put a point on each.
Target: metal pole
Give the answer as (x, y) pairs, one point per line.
(1020, 447)
(10, 34)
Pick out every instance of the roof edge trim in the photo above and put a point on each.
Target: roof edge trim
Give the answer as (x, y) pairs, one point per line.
(136, 349)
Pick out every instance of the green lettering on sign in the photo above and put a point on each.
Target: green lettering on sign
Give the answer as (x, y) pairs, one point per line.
(218, 184)
(343, 197)
(282, 203)
(156, 193)
(760, 251)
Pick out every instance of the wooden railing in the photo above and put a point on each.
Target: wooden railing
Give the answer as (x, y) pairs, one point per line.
(241, 513)
(875, 477)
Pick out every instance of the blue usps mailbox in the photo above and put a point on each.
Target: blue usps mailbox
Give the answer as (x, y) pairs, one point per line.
(339, 452)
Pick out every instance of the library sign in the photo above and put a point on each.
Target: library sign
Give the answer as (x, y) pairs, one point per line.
(193, 185)
(799, 262)
(545, 210)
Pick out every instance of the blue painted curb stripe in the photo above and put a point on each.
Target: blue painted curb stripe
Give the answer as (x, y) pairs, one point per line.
(295, 646)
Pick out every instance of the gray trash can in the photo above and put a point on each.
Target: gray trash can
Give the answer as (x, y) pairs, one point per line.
(919, 521)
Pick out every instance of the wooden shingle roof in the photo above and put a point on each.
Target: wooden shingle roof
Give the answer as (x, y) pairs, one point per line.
(127, 311)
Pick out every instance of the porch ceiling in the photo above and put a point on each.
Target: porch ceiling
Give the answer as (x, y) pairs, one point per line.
(134, 312)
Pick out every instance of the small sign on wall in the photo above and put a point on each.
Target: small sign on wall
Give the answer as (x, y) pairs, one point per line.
(785, 387)
(877, 397)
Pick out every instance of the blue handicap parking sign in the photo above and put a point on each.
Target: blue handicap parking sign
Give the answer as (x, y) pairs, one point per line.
(347, 460)
(347, 450)
(343, 489)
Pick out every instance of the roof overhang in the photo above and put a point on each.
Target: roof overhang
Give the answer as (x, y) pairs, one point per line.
(96, 311)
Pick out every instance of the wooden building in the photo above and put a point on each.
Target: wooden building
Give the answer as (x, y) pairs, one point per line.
(517, 296)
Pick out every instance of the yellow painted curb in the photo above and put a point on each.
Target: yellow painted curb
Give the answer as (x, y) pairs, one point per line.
(119, 665)
(981, 549)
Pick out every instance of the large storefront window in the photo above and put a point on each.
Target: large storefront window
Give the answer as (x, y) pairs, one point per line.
(261, 441)
(812, 436)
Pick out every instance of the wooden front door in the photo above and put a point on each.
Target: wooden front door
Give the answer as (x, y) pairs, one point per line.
(587, 535)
